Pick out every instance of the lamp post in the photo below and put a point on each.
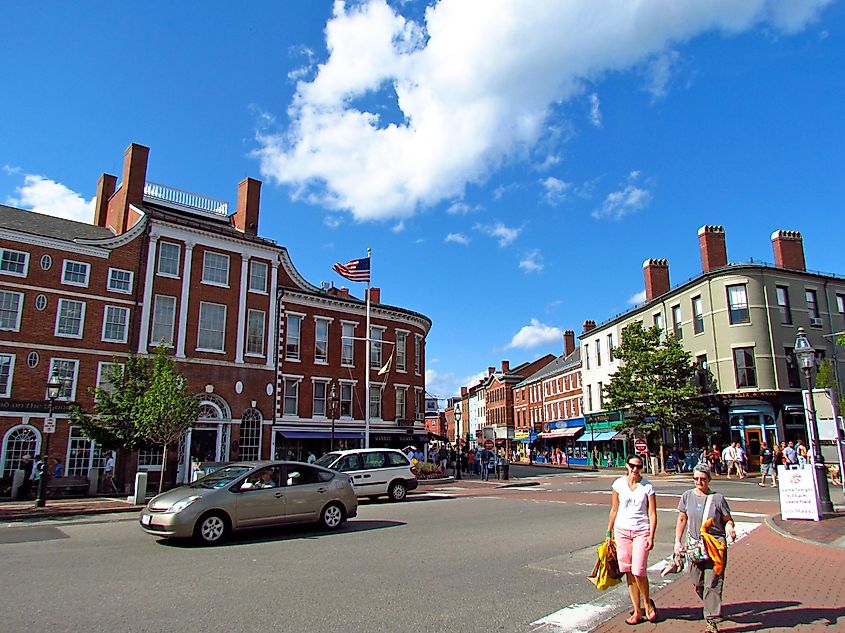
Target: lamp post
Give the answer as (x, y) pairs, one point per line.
(333, 411)
(457, 443)
(806, 356)
(53, 389)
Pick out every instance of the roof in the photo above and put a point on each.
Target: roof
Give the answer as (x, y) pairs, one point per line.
(560, 364)
(33, 223)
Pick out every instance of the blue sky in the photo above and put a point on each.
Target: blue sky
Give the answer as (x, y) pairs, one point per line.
(511, 164)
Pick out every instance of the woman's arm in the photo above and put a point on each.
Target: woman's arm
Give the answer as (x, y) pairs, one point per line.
(614, 508)
(730, 526)
(652, 521)
(680, 527)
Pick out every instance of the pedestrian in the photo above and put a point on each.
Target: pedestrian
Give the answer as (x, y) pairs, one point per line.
(707, 575)
(801, 451)
(442, 457)
(790, 456)
(58, 469)
(740, 459)
(777, 459)
(633, 522)
(485, 465)
(471, 462)
(311, 458)
(26, 466)
(532, 456)
(767, 465)
(108, 473)
(596, 457)
(729, 458)
(715, 460)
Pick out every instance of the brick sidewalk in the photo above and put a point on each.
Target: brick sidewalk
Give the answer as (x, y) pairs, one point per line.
(21, 510)
(772, 583)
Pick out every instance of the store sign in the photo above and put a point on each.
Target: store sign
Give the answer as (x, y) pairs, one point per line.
(798, 496)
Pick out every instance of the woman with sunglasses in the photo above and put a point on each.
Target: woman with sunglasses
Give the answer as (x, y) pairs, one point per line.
(632, 522)
(691, 510)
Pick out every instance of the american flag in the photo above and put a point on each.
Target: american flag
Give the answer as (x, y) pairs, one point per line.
(355, 270)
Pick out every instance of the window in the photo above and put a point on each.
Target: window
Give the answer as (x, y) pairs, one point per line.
(590, 397)
(677, 328)
(738, 304)
(164, 316)
(586, 355)
(600, 392)
(697, 315)
(116, 324)
(374, 460)
(420, 404)
(401, 344)
(701, 373)
(32, 360)
(255, 332)
(79, 454)
(782, 293)
(215, 269)
(658, 321)
(396, 459)
(70, 319)
(319, 405)
(321, 341)
(598, 352)
(812, 304)
(351, 462)
(746, 376)
(14, 262)
(46, 262)
(168, 259)
(7, 368)
(375, 402)
(120, 280)
(258, 276)
(40, 302)
(302, 475)
(212, 326)
(376, 337)
(291, 396)
(345, 400)
(10, 311)
(292, 331)
(65, 371)
(609, 348)
(105, 374)
(250, 441)
(792, 374)
(417, 354)
(75, 273)
(20, 441)
(347, 347)
(400, 402)
(840, 303)
(149, 458)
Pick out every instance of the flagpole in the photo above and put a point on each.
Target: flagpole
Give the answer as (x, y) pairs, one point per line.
(367, 361)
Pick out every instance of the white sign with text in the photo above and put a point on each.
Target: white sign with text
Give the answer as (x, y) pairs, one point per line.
(798, 496)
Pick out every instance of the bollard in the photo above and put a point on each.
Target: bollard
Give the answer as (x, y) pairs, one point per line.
(93, 482)
(140, 496)
(17, 482)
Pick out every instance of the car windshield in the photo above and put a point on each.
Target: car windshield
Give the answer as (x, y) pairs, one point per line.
(326, 460)
(222, 477)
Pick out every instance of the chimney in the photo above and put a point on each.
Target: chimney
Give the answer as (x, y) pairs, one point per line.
(375, 295)
(490, 371)
(656, 272)
(711, 242)
(105, 189)
(589, 325)
(506, 366)
(249, 197)
(789, 250)
(131, 189)
(568, 343)
(464, 392)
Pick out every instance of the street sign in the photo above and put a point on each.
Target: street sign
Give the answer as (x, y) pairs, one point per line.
(641, 446)
(50, 425)
(488, 445)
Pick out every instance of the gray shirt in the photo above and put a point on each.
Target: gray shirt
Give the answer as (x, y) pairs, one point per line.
(693, 506)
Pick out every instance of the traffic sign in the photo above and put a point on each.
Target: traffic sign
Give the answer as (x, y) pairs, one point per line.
(49, 425)
(641, 446)
(488, 445)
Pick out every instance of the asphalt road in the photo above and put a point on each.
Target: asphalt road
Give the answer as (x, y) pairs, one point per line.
(467, 557)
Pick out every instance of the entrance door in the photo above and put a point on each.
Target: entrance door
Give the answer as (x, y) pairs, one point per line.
(753, 438)
(203, 445)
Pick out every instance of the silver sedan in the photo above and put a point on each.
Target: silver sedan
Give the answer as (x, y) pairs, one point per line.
(251, 495)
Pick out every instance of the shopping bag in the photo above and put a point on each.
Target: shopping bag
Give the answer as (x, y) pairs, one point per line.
(606, 573)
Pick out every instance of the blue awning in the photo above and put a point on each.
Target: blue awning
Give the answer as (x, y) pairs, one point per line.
(322, 435)
(604, 436)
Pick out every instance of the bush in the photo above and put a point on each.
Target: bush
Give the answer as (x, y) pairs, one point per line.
(427, 470)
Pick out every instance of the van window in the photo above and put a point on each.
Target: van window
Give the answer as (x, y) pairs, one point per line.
(350, 462)
(375, 460)
(397, 459)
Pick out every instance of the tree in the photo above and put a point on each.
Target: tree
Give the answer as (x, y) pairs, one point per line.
(655, 385)
(167, 408)
(826, 379)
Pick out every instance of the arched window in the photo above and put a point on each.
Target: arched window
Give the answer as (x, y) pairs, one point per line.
(213, 408)
(251, 435)
(19, 441)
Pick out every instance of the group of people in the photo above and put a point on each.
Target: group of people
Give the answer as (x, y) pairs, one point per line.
(632, 525)
(35, 468)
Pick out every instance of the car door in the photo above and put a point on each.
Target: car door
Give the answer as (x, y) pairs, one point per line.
(378, 470)
(353, 466)
(260, 503)
(305, 493)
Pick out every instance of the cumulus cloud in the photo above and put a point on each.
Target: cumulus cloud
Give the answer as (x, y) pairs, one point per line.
(448, 384)
(659, 72)
(49, 197)
(399, 227)
(504, 234)
(595, 110)
(457, 238)
(555, 190)
(459, 208)
(632, 195)
(470, 87)
(637, 298)
(532, 262)
(534, 335)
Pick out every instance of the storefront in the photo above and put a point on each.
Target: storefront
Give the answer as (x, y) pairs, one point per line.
(559, 435)
(751, 424)
(600, 431)
(295, 443)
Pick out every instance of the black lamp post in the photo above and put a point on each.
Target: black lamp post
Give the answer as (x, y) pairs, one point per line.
(53, 389)
(457, 443)
(333, 410)
(806, 356)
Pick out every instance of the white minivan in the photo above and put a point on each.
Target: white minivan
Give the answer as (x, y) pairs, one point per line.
(374, 471)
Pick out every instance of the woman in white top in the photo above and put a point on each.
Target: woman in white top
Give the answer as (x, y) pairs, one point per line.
(633, 521)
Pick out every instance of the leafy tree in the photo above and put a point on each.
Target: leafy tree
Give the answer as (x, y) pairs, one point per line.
(167, 409)
(826, 379)
(655, 385)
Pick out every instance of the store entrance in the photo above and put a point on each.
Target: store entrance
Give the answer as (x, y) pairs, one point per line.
(753, 439)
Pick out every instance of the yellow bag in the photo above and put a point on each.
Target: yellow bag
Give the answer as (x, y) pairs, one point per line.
(606, 571)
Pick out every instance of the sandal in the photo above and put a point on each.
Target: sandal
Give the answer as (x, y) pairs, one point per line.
(634, 620)
(653, 617)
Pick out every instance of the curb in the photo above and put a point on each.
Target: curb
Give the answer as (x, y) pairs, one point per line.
(67, 513)
(787, 534)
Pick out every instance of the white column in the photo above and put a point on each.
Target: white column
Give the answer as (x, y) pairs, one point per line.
(272, 337)
(183, 300)
(147, 307)
(239, 352)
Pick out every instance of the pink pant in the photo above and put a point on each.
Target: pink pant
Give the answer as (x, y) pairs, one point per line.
(631, 550)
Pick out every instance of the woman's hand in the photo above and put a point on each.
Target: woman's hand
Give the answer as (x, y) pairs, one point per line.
(649, 542)
(731, 532)
(678, 547)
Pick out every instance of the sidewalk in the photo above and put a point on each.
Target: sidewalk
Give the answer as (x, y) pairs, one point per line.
(21, 510)
(784, 575)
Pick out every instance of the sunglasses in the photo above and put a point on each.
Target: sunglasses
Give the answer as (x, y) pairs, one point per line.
(630, 465)
(699, 478)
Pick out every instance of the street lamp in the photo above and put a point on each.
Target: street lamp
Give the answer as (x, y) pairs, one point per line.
(333, 410)
(457, 443)
(806, 356)
(54, 387)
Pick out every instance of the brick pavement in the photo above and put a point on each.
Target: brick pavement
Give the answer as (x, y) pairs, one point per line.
(21, 510)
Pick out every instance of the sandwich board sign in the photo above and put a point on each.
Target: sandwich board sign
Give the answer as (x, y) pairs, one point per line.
(799, 498)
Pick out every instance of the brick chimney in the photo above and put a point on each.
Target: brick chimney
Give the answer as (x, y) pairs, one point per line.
(105, 189)
(711, 242)
(789, 250)
(464, 392)
(375, 295)
(131, 188)
(589, 325)
(490, 371)
(249, 198)
(656, 273)
(506, 366)
(568, 343)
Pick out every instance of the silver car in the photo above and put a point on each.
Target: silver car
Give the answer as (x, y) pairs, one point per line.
(251, 495)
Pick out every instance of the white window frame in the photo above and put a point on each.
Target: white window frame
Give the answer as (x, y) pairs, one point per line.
(109, 309)
(298, 317)
(346, 389)
(323, 383)
(294, 382)
(402, 350)
(93, 454)
(401, 402)
(418, 340)
(262, 290)
(162, 245)
(111, 281)
(324, 360)
(103, 368)
(81, 284)
(347, 340)
(375, 404)
(7, 360)
(150, 458)
(208, 269)
(156, 341)
(4, 261)
(377, 346)
(17, 325)
(739, 306)
(255, 316)
(419, 403)
(207, 305)
(59, 310)
(74, 363)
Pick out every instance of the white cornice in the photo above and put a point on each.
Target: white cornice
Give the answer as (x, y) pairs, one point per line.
(67, 246)
(357, 309)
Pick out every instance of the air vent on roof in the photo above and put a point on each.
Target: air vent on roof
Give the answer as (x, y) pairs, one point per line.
(325, 285)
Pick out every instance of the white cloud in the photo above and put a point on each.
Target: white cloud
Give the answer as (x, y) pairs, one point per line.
(556, 190)
(448, 384)
(535, 335)
(459, 208)
(659, 72)
(629, 198)
(49, 197)
(11, 170)
(457, 238)
(595, 110)
(471, 87)
(333, 221)
(532, 262)
(398, 227)
(637, 298)
(505, 234)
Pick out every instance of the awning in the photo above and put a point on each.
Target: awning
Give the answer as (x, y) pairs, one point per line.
(604, 436)
(622, 436)
(321, 435)
(570, 432)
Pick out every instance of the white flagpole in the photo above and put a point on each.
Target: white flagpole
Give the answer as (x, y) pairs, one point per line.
(367, 361)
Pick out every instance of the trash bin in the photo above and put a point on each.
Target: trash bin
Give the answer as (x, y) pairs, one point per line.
(505, 468)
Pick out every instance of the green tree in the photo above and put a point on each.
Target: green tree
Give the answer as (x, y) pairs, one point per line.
(655, 385)
(826, 379)
(167, 409)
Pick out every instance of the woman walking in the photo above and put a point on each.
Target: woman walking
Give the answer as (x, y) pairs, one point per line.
(633, 521)
(701, 507)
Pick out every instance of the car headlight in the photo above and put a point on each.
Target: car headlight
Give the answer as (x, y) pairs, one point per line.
(181, 505)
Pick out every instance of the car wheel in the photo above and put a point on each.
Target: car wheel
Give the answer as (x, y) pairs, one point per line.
(211, 529)
(332, 516)
(397, 491)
